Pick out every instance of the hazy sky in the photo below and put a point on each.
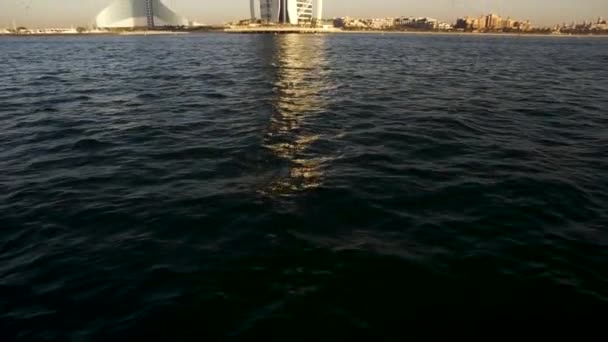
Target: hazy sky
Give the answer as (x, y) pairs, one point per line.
(33, 13)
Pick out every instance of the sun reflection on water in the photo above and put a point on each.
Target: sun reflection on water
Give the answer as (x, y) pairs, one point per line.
(302, 91)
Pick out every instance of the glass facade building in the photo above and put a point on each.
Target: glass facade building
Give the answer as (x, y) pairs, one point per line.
(294, 12)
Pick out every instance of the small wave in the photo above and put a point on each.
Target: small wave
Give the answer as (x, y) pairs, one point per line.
(48, 78)
(89, 145)
(46, 109)
(215, 95)
(147, 96)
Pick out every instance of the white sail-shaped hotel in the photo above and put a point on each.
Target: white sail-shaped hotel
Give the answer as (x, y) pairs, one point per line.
(139, 13)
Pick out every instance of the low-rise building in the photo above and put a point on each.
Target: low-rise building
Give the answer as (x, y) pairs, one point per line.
(470, 23)
(595, 27)
(600, 25)
(492, 22)
(441, 26)
(53, 31)
(350, 23)
(382, 23)
(423, 23)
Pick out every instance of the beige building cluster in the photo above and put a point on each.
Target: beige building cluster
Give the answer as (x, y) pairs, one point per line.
(599, 26)
(401, 23)
(492, 22)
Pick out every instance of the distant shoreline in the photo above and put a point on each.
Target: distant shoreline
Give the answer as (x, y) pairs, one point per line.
(493, 34)
(247, 30)
(280, 30)
(94, 34)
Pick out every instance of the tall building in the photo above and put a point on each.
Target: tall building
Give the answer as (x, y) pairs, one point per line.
(139, 13)
(493, 22)
(294, 12)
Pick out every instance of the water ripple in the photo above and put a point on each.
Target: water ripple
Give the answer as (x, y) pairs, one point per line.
(246, 186)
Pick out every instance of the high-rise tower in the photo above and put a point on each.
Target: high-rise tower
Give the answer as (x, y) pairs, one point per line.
(294, 12)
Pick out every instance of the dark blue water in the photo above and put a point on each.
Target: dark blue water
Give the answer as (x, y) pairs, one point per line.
(299, 186)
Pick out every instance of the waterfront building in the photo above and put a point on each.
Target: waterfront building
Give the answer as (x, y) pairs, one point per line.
(482, 23)
(441, 26)
(423, 23)
(508, 23)
(599, 25)
(139, 14)
(492, 22)
(469, 23)
(293, 12)
(51, 31)
(402, 23)
(350, 23)
(523, 25)
(382, 23)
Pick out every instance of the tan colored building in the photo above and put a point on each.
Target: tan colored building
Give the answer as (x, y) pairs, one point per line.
(493, 22)
(508, 23)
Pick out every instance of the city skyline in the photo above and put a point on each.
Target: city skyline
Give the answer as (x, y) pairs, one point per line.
(48, 13)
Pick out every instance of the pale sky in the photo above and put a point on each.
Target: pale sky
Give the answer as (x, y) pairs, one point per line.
(62, 13)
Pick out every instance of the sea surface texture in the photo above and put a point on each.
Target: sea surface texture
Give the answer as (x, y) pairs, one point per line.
(299, 186)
